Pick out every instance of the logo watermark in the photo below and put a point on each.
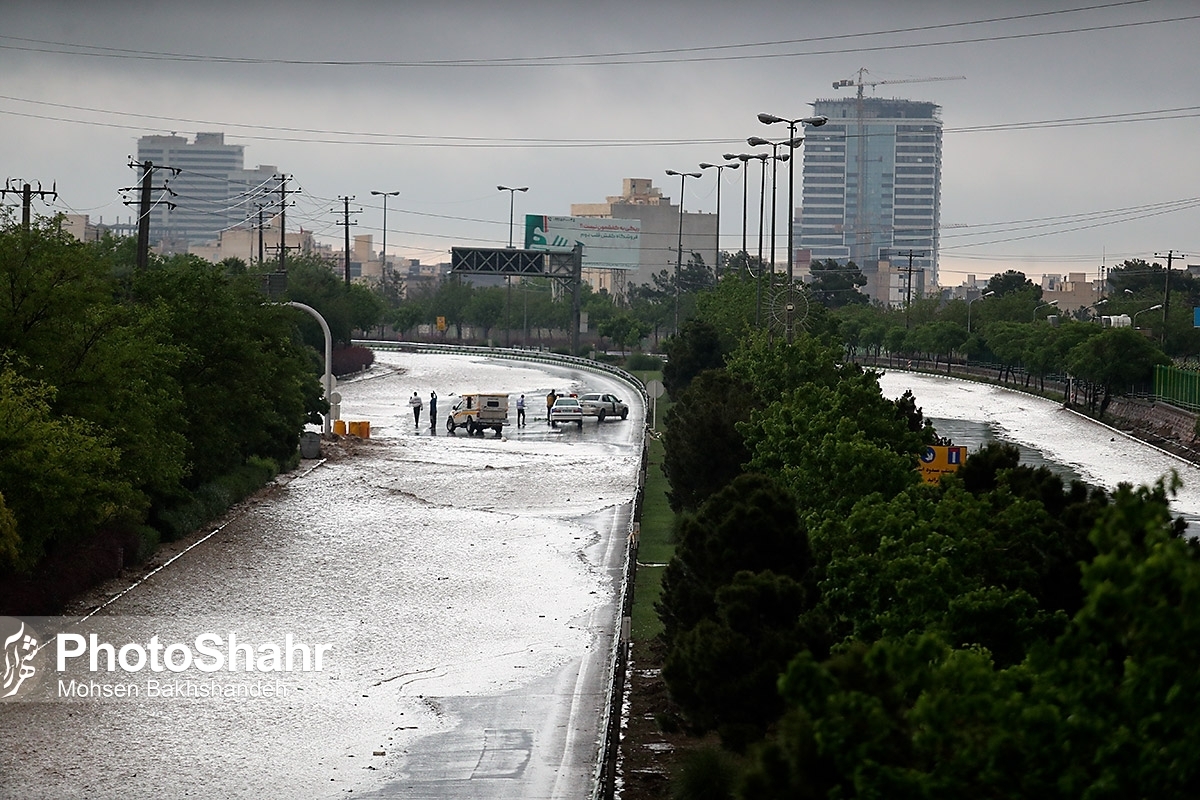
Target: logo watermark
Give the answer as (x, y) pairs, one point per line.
(142, 658)
(23, 658)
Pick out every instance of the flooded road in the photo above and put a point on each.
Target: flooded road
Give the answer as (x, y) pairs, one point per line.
(466, 586)
(1071, 444)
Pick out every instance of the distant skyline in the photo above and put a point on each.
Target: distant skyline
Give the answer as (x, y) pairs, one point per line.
(1070, 144)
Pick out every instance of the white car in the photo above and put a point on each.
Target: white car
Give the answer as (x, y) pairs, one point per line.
(566, 409)
(598, 404)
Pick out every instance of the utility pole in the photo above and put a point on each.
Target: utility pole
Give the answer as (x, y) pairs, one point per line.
(1162, 339)
(144, 189)
(346, 222)
(908, 288)
(27, 192)
(283, 193)
(260, 235)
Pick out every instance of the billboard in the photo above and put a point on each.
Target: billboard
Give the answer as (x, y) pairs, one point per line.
(607, 243)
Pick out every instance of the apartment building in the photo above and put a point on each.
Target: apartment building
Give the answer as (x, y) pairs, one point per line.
(210, 191)
(660, 219)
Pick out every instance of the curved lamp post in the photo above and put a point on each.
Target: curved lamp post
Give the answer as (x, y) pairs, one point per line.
(972, 300)
(683, 176)
(1043, 305)
(1154, 307)
(385, 196)
(814, 122)
(327, 378)
(717, 253)
(1099, 302)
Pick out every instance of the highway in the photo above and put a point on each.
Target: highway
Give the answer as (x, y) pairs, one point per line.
(468, 587)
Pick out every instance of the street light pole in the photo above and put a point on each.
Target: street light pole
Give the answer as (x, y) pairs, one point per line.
(815, 122)
(743, 157)
(756, 141)
(1154, 307)
(717, 253)
(385, 196)
(512, 193)
(683, 176)
(972, 300)
(1043, 305)
(762, 160)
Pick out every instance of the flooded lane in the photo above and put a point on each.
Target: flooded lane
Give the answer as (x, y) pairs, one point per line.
(467, 583)
(1048, 434)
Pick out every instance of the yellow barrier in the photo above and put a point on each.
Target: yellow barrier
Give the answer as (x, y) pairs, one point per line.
(339, 427)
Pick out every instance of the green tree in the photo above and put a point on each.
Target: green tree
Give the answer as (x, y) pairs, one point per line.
(248, 387)
(835, 285)
(834, 444)
(729, 307)
(750, 525)
(695, 348)
(703, 450)
(1011, 282)
(939, 339)
(1122, 675)
(485, 308)
(109, 363)
(724, 672)
(624, 329)
(61, 477)
(1114, 360)
(774, 367)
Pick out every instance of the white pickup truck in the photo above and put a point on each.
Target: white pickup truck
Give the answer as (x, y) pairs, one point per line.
(601, 405)
(477, 412)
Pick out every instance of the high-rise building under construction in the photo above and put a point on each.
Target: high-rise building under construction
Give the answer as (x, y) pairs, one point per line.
(872, 183)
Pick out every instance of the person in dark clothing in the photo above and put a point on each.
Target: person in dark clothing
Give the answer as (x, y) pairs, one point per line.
(433, 409)
(550, 398)
(521, 411)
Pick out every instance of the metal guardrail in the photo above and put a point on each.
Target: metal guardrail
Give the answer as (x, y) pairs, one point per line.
(513, 354)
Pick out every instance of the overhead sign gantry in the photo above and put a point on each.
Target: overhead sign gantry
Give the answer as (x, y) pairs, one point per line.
(563, 267)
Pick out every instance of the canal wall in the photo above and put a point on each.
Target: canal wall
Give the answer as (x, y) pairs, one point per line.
(1161, 424)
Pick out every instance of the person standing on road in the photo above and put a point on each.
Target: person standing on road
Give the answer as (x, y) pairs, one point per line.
(550, 398)
(415, 402)
(521, 411)
(433, 410)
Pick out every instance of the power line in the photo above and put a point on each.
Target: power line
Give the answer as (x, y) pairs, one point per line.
(371, 139)
(617, 58)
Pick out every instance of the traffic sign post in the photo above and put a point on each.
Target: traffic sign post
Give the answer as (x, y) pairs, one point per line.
(656, 390)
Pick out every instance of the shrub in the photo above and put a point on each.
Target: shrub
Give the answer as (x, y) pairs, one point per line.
(641, 362)
(351, 359)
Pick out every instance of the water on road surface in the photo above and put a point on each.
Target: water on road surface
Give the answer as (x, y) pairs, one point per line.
(1048, 434)
(468, 586)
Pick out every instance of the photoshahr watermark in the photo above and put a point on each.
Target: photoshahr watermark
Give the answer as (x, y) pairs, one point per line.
(117, 658)
(23, 657)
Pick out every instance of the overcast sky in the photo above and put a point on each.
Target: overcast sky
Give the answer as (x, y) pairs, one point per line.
(1071, 143)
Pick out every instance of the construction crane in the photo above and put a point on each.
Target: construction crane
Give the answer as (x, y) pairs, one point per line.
(862, 231)
(862, 71)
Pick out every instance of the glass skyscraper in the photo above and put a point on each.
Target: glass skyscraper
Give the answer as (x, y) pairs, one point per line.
(872, 183)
